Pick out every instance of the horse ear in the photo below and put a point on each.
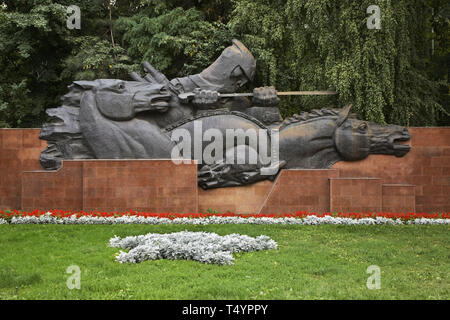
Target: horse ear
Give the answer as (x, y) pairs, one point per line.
(86, 85)
(343, 115)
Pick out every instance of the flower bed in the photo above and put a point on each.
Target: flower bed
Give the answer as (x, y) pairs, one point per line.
(133, 217)
(204, 247)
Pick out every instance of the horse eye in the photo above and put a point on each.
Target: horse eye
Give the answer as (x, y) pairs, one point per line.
(363, 126)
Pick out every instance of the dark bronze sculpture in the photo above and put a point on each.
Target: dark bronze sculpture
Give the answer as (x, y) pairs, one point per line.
(115, 119)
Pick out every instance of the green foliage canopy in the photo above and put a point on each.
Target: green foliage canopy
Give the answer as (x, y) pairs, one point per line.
(397, 74)
(312, 44)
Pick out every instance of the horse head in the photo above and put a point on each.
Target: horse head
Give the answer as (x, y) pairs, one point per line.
(121, 100)
(356, 139)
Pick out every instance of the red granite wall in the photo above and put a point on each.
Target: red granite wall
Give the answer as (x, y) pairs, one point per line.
(426, 166)
(113, 185)
(423, 175)
(142, 185)
(19, 150)
(355, 195)
(300, 190)
(399, 197)
(245, 199)
(62, 189)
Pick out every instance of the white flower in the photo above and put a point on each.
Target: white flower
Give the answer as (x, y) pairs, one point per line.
(309, 220)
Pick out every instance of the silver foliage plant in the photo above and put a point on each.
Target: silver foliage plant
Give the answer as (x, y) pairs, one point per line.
(199, 246)
(310, 220)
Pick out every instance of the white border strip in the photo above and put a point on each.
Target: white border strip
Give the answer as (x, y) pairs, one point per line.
(310, 220)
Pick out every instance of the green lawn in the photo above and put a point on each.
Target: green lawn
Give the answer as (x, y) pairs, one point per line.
(312, 262)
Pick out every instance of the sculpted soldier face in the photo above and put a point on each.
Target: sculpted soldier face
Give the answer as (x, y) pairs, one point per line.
(238, 77)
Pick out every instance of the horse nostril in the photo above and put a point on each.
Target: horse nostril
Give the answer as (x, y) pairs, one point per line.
(163, 90)
(406, 132)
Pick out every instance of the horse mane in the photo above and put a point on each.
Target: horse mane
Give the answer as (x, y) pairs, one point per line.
(210, 113)
(314, 114)
(64, 119)
(64, 127)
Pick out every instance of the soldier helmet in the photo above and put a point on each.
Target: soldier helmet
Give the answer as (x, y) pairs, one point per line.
(218, 75)
(244, 58)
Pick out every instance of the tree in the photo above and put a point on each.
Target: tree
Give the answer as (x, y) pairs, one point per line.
(310, 44)
(390, 74)
(31, 46)
(178, 42)
(39, 56)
